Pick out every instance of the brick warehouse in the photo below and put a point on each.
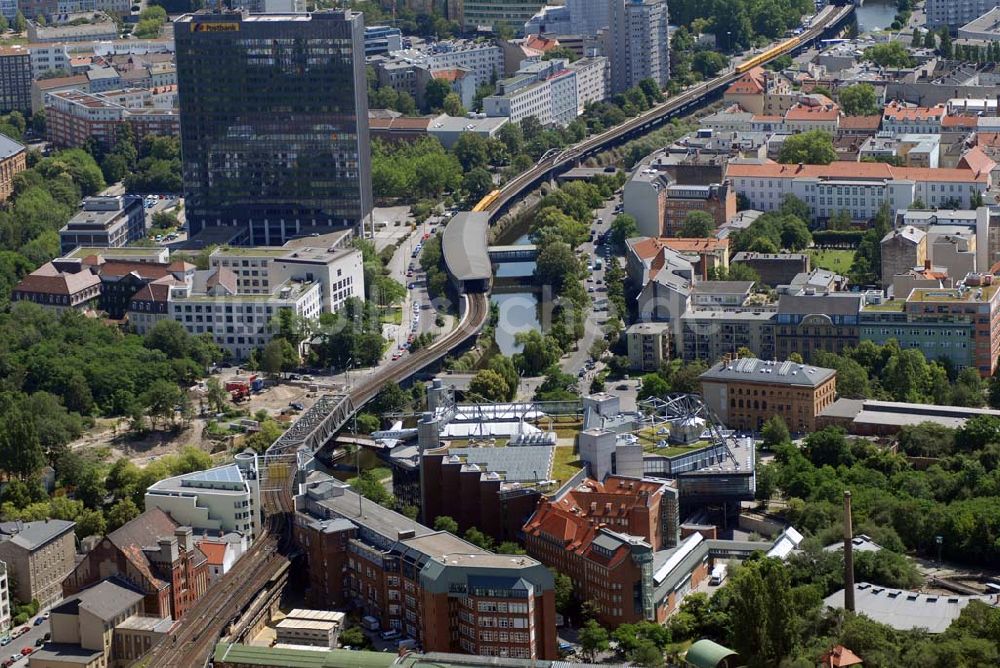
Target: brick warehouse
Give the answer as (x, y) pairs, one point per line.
(432, 586)
(607, 537)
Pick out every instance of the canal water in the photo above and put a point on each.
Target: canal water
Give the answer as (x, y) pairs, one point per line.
(518, 311)
(875, 15)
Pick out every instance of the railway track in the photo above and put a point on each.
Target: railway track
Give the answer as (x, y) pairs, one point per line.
(190, 645)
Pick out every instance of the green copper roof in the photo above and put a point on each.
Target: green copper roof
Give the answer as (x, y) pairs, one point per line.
(707, 654)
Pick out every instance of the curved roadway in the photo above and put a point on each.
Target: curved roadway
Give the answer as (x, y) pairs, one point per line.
(191, 642)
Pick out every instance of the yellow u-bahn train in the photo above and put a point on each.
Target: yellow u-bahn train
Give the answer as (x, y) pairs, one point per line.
(765, 56)
(485, 202)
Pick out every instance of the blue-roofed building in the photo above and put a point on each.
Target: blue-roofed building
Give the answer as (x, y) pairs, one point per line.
(220, 500)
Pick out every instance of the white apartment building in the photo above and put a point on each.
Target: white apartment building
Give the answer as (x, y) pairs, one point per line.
(5, 616)
(340, 271)
(483, 59)
(857, 187)
(48, 58)
(638, 43)
(553, 91)
(591, 80)
(239, 323)
(220, 500)
(956, 13)
(900, 119)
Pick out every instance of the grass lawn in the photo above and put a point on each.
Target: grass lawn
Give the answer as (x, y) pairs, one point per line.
(393, 316)
(834, 260)
(566, 463)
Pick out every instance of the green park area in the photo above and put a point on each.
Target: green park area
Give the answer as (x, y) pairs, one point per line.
(832, 259)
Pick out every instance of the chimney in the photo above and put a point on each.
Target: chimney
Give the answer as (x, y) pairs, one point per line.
(185, 538)
(168, 550)
(848, 554)
(927, 265)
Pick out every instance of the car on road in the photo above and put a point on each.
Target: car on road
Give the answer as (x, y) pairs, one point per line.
(25, 651)
(39, 621)
(297, 405)
(5, 642)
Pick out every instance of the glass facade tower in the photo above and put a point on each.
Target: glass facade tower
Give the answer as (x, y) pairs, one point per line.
(274, 122)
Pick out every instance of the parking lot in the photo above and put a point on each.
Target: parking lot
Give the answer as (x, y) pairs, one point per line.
(11, 649)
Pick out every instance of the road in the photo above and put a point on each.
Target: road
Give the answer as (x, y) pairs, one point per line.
(12, 650)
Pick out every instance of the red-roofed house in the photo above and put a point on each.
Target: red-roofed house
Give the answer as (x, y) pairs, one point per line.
(601, 534)
(901, 119)
(859, 125)
(840, 657)
(154, 555)
(222, 553)
(761, 92)
(813, 112)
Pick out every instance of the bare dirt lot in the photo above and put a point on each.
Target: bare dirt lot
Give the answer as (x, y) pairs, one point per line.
(110, 440)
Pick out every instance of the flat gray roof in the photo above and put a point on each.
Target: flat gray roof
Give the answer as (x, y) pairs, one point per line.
(517, 464)
(904, 610)
(465, 248)
(751, 369)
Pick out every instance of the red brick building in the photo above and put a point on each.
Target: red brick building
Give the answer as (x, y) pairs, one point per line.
(605, 537)
(492, 489)
(155, 555)
(443, 592)
(717, 200)
(73, 116)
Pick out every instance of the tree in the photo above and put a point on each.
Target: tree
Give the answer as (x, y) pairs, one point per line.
(477, 183)
(160, 399)
(828, 447)
(593, 639)
(390, 399)
(993, 390)
(445, 523)
(367, 423)
(472, 150)
(489, 386)
(697, 225)
(452, 105)
(708, 63)
(478, 538)
(813, 148)
(945, 48)
(858, 100)
(435, 93)
(563, 586)
(775, 432)
(762, 613)
(121, 513)
(537, 354)
(623, 227)
(273, 357)
(892, 54)
(354, 638)
(556, 265)
(20, 23)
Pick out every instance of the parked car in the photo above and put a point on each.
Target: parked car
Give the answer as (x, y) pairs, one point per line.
(39, 621)
(297, 405)
(391, 634)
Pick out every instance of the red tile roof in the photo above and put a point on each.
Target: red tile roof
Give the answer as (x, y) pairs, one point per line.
(860, 122)
(976, 160)
(696, 245)
(960, 122)
(49, 280)
(452, 74)
(215, 552)
(852, 170)
(802, 112)
(898, 112)
(542, 44)
(751, 83)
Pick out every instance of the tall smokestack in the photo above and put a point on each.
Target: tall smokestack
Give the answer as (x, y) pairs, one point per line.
(848, 554)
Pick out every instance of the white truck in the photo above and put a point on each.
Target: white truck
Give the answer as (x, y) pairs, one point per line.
(718, 575)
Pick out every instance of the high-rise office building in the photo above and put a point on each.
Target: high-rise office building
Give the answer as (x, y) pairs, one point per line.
(638, 43)
(274, 122)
